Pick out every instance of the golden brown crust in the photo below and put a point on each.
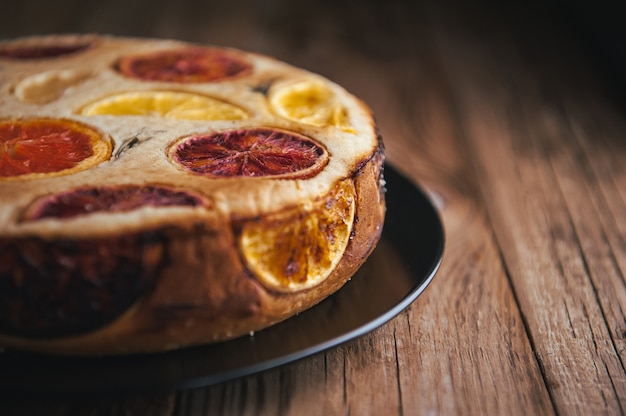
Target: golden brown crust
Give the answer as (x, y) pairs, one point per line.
(193, 286)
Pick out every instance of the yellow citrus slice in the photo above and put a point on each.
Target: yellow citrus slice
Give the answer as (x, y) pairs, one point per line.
(177, 105)
(34, 148)
(310, 102)
(298, 249)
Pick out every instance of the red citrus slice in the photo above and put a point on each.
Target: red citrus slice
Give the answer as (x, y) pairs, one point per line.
(38, 51)
(42, 147)
(121, 198)
(297, 249)
(250, 152)
(61, 287)
(185, 65)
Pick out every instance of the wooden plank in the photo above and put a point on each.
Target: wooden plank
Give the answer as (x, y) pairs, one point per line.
(601, 152)
(562, 267)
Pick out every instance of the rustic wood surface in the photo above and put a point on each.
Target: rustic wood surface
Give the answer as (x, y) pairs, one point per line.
(505, 118)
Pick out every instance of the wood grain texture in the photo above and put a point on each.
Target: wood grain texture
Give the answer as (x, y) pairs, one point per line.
(495, 112)
(540, 192)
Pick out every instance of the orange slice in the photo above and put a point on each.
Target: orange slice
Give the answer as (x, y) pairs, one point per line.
(310, 102)
(40, 50)
(298, 249)
(34, 148)
(56, 288)
(121, 198)
(253, 152)
(185, 65)
(169, 104)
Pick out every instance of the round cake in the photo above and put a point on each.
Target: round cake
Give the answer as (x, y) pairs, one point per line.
(157, 194)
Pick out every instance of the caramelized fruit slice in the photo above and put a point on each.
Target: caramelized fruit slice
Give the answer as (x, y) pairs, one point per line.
(169, 104)
(49, 86)
(298, 249)
(120, 198)
(42, 147)
(44, 48)
(51, 288)
(250, 152)
(310, 102)
(185, 65)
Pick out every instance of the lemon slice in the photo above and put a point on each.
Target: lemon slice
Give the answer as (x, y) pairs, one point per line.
(169, 104)
(310, 102)
(298, 249)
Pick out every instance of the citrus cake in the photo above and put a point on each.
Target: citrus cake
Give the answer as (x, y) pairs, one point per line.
(157, 194)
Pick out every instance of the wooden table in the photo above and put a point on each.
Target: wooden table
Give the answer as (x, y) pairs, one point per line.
(504, 117)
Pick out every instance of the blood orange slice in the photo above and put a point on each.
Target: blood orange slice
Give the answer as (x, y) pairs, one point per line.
(185, 65)
(250, 152)
(34, 148)
(169, 104)
(121, 198)
(36, 50)
(53, 288)
(310, 102)
(298, 249)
